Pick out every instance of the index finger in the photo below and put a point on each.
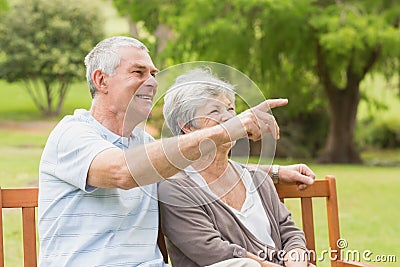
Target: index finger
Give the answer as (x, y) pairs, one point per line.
(273, 103)
(279, 102)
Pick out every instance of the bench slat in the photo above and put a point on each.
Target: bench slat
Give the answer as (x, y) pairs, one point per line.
(320, 188)
(29, 236)
(19, 197)
(27, 200)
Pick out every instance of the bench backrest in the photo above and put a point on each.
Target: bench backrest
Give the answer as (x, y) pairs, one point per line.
(27, 200)
(321, 188)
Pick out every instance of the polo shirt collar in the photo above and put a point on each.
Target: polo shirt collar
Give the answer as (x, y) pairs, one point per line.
(119, 141)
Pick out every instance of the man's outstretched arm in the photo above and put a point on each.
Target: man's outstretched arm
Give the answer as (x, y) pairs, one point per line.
(161, 159)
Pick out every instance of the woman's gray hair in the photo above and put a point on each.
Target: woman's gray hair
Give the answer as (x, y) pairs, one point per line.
(190, 91)
(105, 57)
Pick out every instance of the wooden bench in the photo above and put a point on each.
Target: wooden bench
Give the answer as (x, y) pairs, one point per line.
(27, 200)
(320, 189)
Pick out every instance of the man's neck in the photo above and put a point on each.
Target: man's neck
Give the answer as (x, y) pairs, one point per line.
(112, 121)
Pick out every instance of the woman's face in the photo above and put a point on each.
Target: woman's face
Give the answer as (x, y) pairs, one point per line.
(214, 111)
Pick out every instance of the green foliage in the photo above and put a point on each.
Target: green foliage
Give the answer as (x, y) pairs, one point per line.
(378, 124)
(3, 6)
(263, 38)
(302, 136)
(350, 34)
(43, 45)
(298, 49)
(384, 133)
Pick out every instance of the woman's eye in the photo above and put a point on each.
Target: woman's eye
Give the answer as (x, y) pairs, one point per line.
(215, 111)
(231, 109)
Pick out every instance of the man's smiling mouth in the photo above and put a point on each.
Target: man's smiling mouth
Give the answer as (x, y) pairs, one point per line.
(146, 97)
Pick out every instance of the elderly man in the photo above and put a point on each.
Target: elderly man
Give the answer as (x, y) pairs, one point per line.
(98, 172)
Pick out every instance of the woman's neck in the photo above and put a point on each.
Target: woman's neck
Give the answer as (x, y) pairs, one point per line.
(224, 180)
(213, 166)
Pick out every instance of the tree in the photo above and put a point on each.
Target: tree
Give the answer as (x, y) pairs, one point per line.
(44, 44)
(3, 6)
(302, 47)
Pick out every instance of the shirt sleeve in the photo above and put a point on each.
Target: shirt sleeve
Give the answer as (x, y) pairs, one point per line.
(77, 146)
(189, 228)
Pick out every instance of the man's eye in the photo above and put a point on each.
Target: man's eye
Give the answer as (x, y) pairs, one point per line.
(215, 111)
(153, 74)
(231, 109)
(138, 72)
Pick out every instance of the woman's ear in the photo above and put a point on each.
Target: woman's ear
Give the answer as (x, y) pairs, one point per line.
(99, 80)
(185, 127)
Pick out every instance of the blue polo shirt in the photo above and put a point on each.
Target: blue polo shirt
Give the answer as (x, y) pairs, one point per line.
(80, 225)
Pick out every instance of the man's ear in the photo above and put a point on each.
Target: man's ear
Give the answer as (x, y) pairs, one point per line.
(185, 127)
(99, 80)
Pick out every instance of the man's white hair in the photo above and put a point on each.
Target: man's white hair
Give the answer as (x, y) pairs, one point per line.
(105, 57)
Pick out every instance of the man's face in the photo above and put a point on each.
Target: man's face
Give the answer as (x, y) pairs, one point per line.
(133, 84)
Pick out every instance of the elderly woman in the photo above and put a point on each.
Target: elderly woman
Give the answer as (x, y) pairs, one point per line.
(216, 211)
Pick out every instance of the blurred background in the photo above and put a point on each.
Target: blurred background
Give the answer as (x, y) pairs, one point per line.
(338, 63)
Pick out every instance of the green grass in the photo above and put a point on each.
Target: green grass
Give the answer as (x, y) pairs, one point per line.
(12, 225)
(368, 208)
(388, 157)
(19, 158)
(16, 105)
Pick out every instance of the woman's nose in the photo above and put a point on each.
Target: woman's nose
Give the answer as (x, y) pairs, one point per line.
(227, 116)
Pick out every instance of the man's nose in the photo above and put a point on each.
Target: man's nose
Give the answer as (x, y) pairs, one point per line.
(151, 81)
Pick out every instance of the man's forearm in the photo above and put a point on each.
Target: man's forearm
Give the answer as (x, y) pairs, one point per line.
(156, 161)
